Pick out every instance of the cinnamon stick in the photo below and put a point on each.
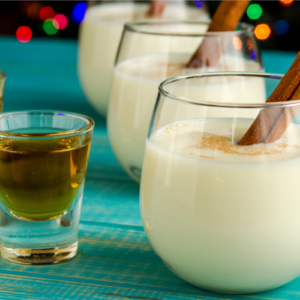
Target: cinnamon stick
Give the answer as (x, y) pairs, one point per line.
(271, 123)
(156, 8)
(226, 18)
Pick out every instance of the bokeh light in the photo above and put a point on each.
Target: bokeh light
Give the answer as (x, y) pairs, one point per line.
(254, 11)
(237, 43)
(281, 27)
(24, 34)
(286, 2)
(252, 54)
(46, 13)
(249, 44)
(199, 3)
(60, 21)
(250, 47)
(79, 12)
(49, 27)
(262, 31)
(33, 10)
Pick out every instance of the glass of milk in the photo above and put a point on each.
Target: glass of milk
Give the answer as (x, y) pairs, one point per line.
(99, 37)
(223, 217)
(152, 51)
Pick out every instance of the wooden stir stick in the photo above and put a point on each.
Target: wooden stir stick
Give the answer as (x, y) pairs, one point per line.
(226, 18)
(156, 8)
(271, 123)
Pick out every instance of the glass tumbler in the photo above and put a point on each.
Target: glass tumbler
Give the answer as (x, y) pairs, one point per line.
(43, 162)
(152, 51)
(2, 83)
(99, 37)
(221, 216)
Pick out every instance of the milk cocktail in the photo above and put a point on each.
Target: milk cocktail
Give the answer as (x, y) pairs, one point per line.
(100, 33)
(134, 91)
(221, 216)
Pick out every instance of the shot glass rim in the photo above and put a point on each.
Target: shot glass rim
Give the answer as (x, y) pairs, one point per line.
(130, 26)
(86, 128)
(2, 75)
(162, 91)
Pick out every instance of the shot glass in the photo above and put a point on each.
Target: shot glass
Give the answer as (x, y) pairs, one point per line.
(2, 83)
(152, 51)
(43, 162)
(221, 216)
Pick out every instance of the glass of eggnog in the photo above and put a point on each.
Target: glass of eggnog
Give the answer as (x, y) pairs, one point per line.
(152, 51)
(221, 216)
(99, 37)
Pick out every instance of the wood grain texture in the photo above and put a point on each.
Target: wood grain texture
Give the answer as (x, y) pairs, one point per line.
(115, 260)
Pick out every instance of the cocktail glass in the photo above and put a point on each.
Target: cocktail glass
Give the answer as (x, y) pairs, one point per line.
(152, 51)
(100, 34)
(223, 217)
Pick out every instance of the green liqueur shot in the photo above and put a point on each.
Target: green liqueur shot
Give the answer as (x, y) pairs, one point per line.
(39, 180)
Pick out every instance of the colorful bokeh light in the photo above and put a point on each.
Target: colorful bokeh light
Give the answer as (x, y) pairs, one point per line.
(33, 10)
(249, 44)
(237, 43)
(24, 34)
(46, 13)
(262, 31)
(199, 3)
(281, 27)
(252, 54)
(254, 11)
(286, 2)
(49, 27)
(79, 12)
(60, 21)
(250, 47)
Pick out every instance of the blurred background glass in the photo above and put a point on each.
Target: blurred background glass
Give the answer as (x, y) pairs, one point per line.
(276, 21)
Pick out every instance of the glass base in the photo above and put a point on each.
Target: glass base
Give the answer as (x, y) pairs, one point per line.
(40, 242)
(41, 256)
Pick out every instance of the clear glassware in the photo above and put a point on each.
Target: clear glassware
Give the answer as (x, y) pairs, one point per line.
(43, 161)
(152, 51)
(2, 83)
(99, 37)
(221, 216)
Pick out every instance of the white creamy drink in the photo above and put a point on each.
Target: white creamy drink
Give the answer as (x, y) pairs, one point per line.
(223, 217)
(134, 92)
(100, 33)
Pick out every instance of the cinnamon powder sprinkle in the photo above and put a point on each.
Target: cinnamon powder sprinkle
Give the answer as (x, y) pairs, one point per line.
(224, 144)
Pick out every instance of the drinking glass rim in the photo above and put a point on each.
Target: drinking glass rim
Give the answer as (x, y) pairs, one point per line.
(2, 75)
(130, 26)
(88, 127)
(283, 104)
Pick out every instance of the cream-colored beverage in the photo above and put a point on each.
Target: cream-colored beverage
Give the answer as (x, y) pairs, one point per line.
(134, 92)
(100, 33)
(223, 217)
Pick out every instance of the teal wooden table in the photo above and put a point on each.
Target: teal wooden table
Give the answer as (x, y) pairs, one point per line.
(115, 260)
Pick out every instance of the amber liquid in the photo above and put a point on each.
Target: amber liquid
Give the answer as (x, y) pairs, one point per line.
(41, 179)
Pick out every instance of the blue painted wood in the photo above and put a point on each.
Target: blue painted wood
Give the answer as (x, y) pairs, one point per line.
(115, 260)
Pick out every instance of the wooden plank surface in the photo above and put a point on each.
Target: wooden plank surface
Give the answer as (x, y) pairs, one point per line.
(115, 260)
